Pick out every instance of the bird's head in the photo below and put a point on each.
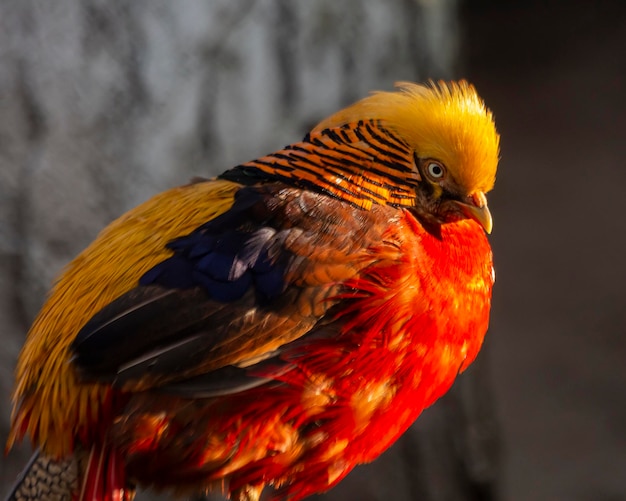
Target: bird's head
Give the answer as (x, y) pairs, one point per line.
(453, 140)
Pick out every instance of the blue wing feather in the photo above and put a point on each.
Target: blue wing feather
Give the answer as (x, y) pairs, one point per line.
(225, 257)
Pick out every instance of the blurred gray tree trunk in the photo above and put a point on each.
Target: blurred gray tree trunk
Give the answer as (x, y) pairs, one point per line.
(106, 102)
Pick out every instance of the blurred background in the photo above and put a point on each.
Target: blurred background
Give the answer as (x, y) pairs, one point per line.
(555, 75)
(104, 103)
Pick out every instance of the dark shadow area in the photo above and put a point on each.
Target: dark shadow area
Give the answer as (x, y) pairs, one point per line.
(554, 73)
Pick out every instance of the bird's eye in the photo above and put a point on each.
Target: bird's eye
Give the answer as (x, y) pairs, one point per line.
(435, 170)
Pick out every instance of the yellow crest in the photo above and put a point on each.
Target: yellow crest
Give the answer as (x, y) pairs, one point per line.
(448, 122)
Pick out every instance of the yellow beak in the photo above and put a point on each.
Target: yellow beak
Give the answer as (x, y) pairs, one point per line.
(476, 208)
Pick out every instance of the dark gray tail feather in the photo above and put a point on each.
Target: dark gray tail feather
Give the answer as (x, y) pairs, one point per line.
(46, 479)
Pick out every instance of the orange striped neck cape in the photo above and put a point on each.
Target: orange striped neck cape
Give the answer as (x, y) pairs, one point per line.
(362, 163)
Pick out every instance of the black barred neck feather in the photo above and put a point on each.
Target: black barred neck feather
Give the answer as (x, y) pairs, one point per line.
(361, 163)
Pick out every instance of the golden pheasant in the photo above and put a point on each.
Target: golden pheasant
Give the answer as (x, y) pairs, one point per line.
(274, 326)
